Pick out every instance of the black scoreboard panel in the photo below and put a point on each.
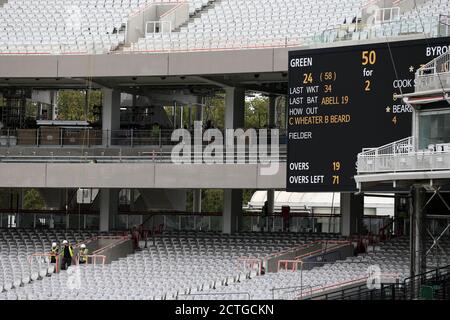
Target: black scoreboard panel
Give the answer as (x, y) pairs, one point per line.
(341, 100)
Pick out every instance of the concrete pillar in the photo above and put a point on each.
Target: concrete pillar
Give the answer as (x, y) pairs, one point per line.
(234, 118)
(110, 114)
(272, 112)
(199, 112)
(232, 211)
(174, 116)
(20, 220)
(86, 104)
(270, 201)
(421, 245)
(352, 212)
(197, 203)
(412, 243)
(417, 235)
(54, 103)
(190, 117)
(132, 199)
(270, 207)
(234, 108)
(109, 207)
(181, 117)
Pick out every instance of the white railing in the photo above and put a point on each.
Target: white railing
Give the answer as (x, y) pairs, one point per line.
(417, 161)
(430, 76)
(401, 156)
(398, 147)
(381, 159)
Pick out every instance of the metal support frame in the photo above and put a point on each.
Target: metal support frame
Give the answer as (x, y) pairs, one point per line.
(418, 251)
(438, 238)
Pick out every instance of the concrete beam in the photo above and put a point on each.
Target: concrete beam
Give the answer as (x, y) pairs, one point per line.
(157, 64)
(138, 175)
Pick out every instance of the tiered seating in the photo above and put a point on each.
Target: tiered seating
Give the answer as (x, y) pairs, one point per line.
(176, 264)
(423, 19)
(392, 258)
(250, 23)
(16, 245)
(93, 26)
(254, 24)
(65, 26)
(190, 265)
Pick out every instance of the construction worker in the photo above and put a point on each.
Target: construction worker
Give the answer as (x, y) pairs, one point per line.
(54, 252)
(83, 254)
(67, 255)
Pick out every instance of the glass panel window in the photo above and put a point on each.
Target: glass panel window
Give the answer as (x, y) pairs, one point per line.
(434, 129)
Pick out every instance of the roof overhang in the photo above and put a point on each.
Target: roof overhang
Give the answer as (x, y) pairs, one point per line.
(425, 97)
(403, 179)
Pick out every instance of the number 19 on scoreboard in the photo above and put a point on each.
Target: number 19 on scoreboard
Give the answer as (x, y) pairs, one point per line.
(336, 169)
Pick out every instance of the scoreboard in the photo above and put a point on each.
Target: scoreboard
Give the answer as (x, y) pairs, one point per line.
(341, 100)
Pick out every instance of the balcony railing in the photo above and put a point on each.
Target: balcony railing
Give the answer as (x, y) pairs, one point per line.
(401, 156)
(151, 156)
(435, 74)
(67, 137)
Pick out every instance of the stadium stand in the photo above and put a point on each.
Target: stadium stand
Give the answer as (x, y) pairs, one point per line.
(61, 27)
(18, 244)
(186, 264)
(160, 271)
(67, 27)
(241, 24)
(392, 257)
(426, 19)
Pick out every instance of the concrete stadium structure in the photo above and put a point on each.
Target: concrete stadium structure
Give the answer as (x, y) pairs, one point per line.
(110, 159)
(232, 72)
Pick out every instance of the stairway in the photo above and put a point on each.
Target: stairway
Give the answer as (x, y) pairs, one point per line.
(197, 14)
(211, 4)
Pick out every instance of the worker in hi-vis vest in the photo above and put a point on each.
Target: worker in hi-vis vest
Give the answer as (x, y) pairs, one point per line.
(54, 252)
(67, 255)
(83, 254)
